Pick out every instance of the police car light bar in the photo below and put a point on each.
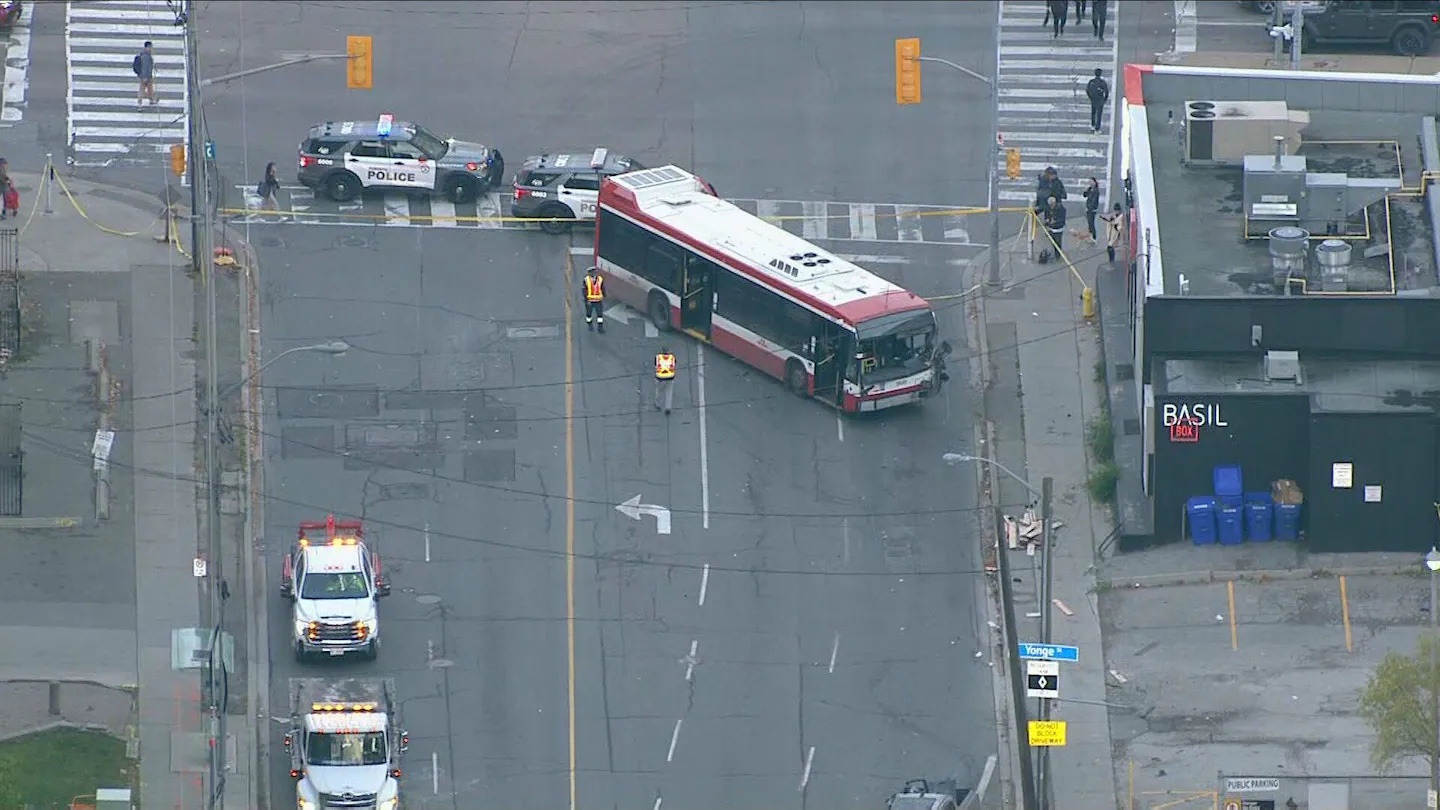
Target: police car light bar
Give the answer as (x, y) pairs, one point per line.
(343, 707)
(597, 160)
(382, 128)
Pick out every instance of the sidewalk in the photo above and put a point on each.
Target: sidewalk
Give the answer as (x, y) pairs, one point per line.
(1042, 356)
(94, 229)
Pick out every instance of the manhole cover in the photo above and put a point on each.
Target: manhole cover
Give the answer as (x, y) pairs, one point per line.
(272, 242)
(354, 241)
(441, 663)
(428, 599)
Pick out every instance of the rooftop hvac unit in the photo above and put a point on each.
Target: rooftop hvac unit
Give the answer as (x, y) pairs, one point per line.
(1227, 131)
(1282, 367)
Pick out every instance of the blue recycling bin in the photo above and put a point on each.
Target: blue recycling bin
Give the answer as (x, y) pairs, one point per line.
(1259, 516)
(1287, 521)
(1230, 524)
(1200, 515)
(1229, 484)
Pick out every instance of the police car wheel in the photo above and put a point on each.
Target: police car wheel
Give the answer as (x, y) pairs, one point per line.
(461, 190)
(342, 187)
(550, 214)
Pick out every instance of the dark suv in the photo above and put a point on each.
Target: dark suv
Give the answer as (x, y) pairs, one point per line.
(1407, 26)
(563, 186)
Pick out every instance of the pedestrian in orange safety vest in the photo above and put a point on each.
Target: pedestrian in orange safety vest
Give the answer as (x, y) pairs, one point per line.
(594, 286)
(664, 380)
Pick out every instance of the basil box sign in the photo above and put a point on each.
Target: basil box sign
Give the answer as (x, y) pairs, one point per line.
(1199, 414)
(1251, 784)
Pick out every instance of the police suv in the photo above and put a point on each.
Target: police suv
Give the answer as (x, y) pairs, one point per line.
(560, 187)
(345, 158)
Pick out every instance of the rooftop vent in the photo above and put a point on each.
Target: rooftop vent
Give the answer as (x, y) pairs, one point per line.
(1282, 367)
(1333, 256)
(1288, 247)
(810, 259)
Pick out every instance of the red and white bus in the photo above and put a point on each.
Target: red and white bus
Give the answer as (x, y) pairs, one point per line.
(827, 327)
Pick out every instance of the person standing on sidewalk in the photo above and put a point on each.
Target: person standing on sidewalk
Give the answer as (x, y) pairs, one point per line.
(1059, 11)
(144, 67)
(1092, 206)
(1054, 224)
(594, 287)
(1114, 230)
(1098, 90)
(664, 380)
(1097, 19)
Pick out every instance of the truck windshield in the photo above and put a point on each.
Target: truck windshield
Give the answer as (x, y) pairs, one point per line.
(326, 585)
(893, 346)
(349, 748)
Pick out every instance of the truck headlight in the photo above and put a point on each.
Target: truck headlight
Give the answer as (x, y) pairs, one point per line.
(305, 804)
(388, 804)
(370, 626)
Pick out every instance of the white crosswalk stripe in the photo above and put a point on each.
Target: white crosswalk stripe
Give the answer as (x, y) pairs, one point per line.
(1043, 109)
(817, 220)
(105, 121)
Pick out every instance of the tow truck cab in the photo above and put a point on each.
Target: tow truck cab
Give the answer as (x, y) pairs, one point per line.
(919, 794)
(345, 742)
(334, 584)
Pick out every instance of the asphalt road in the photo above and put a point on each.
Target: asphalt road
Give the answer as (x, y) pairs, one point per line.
(813, 532)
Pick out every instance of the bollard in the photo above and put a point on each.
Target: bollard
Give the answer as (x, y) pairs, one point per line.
(1087, 302)
(49, 182)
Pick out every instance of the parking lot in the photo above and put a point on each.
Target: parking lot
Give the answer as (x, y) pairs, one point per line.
(1254, 679)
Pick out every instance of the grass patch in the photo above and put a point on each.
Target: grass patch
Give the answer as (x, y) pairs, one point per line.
(50, 768)
(1100, 438)
(1102, 481)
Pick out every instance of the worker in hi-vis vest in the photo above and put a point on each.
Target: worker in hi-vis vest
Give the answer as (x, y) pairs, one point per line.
(664, 380)
(594, 288)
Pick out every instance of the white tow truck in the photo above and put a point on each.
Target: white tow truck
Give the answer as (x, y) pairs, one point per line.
(335, 584)
(345, 742)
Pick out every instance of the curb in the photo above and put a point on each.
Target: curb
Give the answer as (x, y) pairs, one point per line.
(1184, 578)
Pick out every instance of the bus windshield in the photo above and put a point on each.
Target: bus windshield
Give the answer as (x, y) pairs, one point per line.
(893, 346)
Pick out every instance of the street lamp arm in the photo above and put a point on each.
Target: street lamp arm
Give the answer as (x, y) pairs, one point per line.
(335, 347)
(315, 57)
(952, 458)
(947, 63)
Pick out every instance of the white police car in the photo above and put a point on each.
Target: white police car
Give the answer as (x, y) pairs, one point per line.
(345, 158)
(565, 186)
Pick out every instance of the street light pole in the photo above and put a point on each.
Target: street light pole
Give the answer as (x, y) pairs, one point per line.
(332, 347)
(1432, 562)
(993, 177)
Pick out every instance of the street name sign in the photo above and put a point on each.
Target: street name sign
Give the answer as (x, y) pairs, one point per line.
(1049, 652)
(1042, 679)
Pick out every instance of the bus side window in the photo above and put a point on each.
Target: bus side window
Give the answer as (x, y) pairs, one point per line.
(662, 264)
(622, 242)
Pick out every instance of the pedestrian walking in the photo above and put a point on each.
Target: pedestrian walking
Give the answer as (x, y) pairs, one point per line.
(269, 189)
(1048, 185)
(1098, 90)
(12, 200)
(594, 290)
(664, 380)
(1058, 11)
(4, 172)
(144, 67)
(1079, 11)
(1098, 12)
(1055, 225)
(1114, 230)
(1092, 206)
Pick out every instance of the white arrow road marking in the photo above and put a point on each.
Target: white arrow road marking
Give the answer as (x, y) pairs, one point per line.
(633, 509)
(623, 314)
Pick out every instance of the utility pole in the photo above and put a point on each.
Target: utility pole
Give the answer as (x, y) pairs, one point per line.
(202, 254)
(1297, 40)
(1047, 546)
(1026, 776)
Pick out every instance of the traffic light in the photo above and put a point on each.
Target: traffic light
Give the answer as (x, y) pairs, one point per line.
(360, 75)
(1012, 163)
(177, 159)
(907, 71)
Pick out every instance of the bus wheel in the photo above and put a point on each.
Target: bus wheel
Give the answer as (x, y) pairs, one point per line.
(660, 311)
(796, 379)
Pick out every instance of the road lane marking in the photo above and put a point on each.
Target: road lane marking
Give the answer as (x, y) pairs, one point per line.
(658, 801)
(704, 444)
(674, 740)
(427, 541)
(435, 772)
(840, 426)
(570, 518)
(845, 532)
(834, 651)
(1234, 631)
(704, 583)
(809, 763)
(1345, 614)
(690, 661)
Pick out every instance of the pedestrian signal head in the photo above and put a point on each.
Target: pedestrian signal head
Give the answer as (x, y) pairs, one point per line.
(907, 71)
(177, 159)
(1012, 163)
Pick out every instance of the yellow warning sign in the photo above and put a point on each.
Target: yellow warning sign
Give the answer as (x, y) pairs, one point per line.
(1047, 732)
(1233, 804)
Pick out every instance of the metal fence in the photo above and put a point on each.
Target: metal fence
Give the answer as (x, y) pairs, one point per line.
(12, 475)
(9, 293)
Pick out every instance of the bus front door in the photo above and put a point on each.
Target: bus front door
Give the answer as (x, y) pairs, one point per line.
(832, 349)
(697, 297)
